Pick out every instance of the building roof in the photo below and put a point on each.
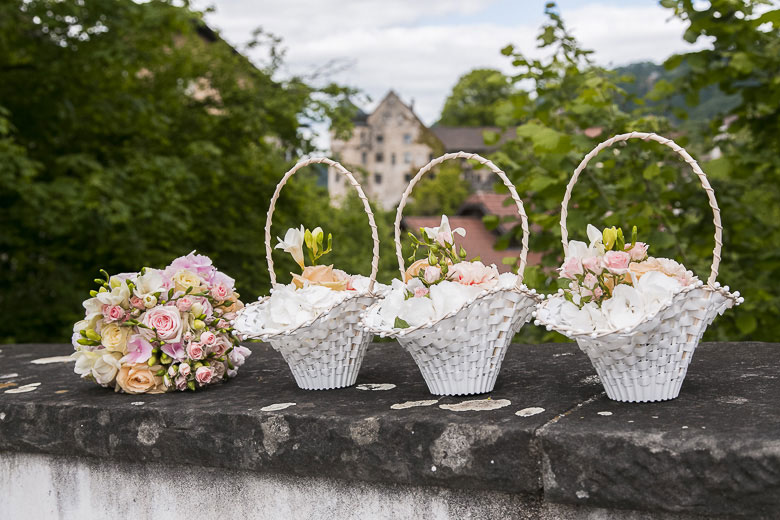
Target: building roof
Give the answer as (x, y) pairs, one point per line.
(479, 241)
(488, 203)
(470, 138)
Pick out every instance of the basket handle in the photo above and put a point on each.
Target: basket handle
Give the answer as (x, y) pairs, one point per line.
(366, 206)
(686, 157)
(495, 169)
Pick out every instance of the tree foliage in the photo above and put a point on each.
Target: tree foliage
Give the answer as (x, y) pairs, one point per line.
(475, 98)
(442, 194)
(645, 184)
(131, 134)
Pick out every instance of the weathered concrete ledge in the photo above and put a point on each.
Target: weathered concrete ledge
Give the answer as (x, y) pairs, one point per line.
(713, 451)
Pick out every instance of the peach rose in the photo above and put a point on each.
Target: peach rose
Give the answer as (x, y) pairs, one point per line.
(665, 266)
(414, 269)
(324, 275)
(140, 379)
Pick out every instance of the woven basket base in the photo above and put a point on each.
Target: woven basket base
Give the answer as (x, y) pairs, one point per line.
(328, 353)
(650, 362)
(462, 354)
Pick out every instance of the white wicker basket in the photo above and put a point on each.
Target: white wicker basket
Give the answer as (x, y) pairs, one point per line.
(327, 351)
(648, 362)
(461, 353)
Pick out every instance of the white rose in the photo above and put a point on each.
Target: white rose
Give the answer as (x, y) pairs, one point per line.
(657, 289)
(450, 296)
(114, 337)
(106, 367)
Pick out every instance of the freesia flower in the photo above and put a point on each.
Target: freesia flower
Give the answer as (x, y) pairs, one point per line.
(293, 244)
(149, 283)
(442, 234)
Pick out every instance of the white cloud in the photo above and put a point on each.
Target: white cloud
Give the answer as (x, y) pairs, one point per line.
(412, 47)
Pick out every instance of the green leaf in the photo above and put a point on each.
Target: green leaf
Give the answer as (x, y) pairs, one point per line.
(491, 222)
(651, 172)
(719, 168)
(490, 137)
(400, 324)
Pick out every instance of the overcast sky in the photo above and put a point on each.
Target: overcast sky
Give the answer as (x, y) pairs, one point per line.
(419, 48)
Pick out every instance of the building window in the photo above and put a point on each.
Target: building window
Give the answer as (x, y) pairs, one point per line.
(408, 157)
(408, 177)
(430, 156)
(392, 158)
(379, 157)
(407, 138)
(380, 138)
(364, 157)
(377, 178)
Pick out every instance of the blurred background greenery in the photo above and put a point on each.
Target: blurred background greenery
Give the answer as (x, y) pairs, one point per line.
(131, 134)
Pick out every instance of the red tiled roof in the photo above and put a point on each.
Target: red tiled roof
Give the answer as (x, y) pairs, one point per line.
(479, 241)
(493, 203)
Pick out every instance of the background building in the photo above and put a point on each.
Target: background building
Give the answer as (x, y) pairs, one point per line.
(388, 146)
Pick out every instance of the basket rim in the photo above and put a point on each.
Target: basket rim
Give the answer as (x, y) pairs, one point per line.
(630, 331)
(289, 332)
(396, 333)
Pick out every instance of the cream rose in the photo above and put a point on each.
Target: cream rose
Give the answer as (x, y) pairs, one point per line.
(140, 379)
(185, 279)
(114, 337)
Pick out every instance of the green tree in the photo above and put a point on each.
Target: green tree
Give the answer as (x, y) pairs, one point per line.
(439, 194)
(130, 134)
(567, 99)
(743, 62)
(475, 98)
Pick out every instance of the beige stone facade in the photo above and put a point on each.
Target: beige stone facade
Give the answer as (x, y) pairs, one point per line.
(386, 149)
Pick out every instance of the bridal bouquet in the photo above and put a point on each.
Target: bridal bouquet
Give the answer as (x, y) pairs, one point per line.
(613, 284)
(160, 330)
(437, 285)
(313, 291)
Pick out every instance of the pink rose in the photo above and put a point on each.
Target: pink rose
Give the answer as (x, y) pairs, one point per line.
(617, 262)
(139, 350)
(592, 264)
(181, 382)
(195, 350)
(571, 268)
(184, 369)
(220, 292)
(221, 346)
(420, 292)
(137, 302)
(432, 273)
(172, 371)
(222, 324)
(167, 322)
(208, 338)
(204, 374)
(590, 281)
(219, 371)
(474, 273)
(184, 304)
(597, 292)
(113, 313)
(638, 252)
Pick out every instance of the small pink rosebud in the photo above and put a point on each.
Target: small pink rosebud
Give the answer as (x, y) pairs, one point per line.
(195, 350)
(420, 292)
(184, 304)
(204, 374)
(184, 369)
